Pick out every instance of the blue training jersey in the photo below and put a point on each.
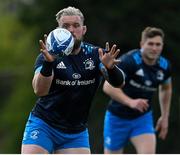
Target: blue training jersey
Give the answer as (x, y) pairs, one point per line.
(141, 82)
(76, 79)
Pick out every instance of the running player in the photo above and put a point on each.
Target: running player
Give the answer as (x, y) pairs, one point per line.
(129, 114)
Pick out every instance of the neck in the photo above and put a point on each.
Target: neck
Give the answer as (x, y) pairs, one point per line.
(76, 51)
(148, 61)
(77, 47)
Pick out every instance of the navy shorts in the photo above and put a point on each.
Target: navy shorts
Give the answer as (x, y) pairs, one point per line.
(39, 133)
(118, 131)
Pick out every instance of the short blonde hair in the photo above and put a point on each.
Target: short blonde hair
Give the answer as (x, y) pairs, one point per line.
(70, 11)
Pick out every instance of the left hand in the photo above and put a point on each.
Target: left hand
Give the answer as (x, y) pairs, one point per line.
(162, 127)
(109, 59)
(47, 56)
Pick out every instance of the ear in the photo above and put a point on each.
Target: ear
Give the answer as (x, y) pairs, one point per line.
(84, 29)
(141, 44)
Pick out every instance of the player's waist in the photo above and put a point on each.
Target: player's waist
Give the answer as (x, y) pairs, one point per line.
(61, 124)
(126, 112)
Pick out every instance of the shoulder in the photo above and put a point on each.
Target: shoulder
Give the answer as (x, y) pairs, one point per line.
(165, 68)
(89, 48)
(39, 60)
(40, 57)
(132, 56)
(130, 61)
(164, 63)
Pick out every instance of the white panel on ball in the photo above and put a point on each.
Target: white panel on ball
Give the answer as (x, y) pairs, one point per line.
(60, 41)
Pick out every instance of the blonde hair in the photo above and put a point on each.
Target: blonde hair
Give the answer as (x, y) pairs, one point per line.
(150, 32)
(70, 11)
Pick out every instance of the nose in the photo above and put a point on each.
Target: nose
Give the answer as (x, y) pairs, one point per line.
(154, 47)
(71, 29)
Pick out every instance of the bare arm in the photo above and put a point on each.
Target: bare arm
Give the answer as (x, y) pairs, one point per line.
(118, 95)
(165, 94)
(41, 84)
(42, 81)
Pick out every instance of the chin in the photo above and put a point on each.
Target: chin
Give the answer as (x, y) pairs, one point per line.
(153, 56)
(77, 44)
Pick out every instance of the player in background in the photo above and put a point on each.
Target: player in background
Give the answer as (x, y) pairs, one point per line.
(66, 87)
(129, 113)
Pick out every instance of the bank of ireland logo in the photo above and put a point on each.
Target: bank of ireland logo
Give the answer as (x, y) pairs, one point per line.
(34, 134)
(89, 64)
(76, 76)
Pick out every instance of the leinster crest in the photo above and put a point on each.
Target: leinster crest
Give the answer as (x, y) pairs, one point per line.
(160, 75)
(89, 64)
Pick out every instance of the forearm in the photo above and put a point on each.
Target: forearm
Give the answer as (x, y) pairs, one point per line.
(41, 84)
(165, 105)
(165, 101)
(117, 94)
(114, 76)
(42, 81)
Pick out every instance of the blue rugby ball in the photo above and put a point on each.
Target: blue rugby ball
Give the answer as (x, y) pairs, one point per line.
(60, 41)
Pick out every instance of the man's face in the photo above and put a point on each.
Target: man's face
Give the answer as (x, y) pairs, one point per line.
(75, 26)
(152, 48)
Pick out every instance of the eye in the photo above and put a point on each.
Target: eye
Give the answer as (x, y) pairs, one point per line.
(150, 43)
(158, 44)
(76, 25)
(66, 26)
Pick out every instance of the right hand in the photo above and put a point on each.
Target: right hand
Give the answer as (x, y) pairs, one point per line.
(109, 58)
(47, 56)
(139, 104)
(162, 127)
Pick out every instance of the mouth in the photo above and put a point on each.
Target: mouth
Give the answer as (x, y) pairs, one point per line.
(154, 53)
